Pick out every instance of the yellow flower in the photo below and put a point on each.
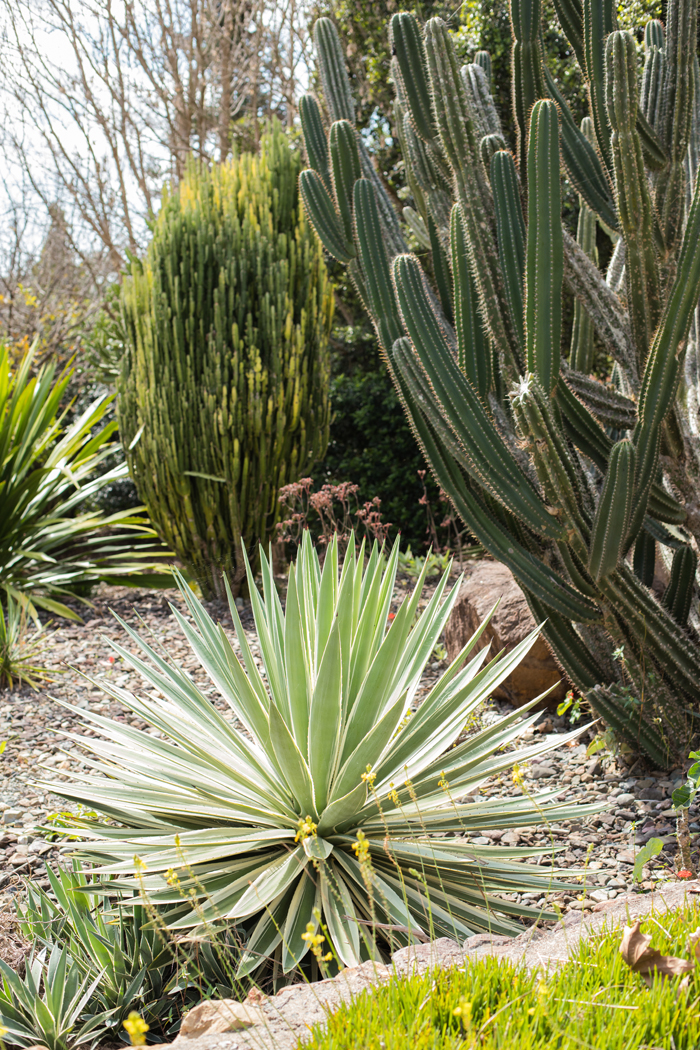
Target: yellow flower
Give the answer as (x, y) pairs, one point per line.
(517, 775)
(361, 847)
(443, 782)
(393, 795)
(463, 1010)
(136, 1029)
(369, 777)
(307, 829)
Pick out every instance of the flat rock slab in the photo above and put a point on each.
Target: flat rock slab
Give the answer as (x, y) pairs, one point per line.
(289, 1014)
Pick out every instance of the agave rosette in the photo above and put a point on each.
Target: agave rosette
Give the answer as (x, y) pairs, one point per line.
(257, 820)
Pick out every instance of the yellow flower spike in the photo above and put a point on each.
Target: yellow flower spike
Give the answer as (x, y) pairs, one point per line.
(369, 777)
(136, 1029)
(139, 865)
(517, 776)
(443, 782)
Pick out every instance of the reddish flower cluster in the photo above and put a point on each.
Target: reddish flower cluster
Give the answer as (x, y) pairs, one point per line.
(335, 506)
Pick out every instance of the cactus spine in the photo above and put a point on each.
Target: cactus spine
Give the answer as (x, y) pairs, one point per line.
(224, 391)
(557, 474)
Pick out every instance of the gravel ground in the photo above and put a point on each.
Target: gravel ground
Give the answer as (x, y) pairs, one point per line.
(32, 724)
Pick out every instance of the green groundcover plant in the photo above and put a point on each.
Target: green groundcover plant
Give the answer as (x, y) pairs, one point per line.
(325, 799)
(593, 1000)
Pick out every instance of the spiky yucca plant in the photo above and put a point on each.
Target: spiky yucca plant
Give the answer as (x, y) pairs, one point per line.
(51, 470)
(223, 397)
(577, 486)
(326, 795)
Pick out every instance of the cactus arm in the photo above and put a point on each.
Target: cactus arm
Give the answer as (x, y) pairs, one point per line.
(676, 112)
(598, 22)
(602, 305)
(473, 350)
(322, 215)
(653, 75)
(661, 373)
(407, 45)
(582, 429)
(609, 533)
(331, 67)
(315, 141)
(529, 570)
(581, 161)
(679, 592)
(489, 145)
(374, 259)
(654, 153)
(570, 15)
(527, 67)
(417, 226)
(489, 459)
(510, 233)
(483, 59)
(582, 345)
(652, 631)
(457, 136)
(345, 168)
(441, 269)
(627, 723)
(569, 648)
(336, 91)
(555, 468)
(545, 252)
(480, 100)
(644, 558)
(426, 164)
(607, 405)
(664, 507)
(633, 199)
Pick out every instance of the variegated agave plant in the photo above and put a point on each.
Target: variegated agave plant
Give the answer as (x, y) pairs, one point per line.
(326, 797)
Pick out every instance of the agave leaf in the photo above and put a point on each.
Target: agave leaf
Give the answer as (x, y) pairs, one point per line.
(300, 913)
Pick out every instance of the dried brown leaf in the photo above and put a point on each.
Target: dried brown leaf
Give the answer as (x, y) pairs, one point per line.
(641, 958)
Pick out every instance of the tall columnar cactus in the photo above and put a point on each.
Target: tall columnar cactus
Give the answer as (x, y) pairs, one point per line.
(578, 485)
(224, 393)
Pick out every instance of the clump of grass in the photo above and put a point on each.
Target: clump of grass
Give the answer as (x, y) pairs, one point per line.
(593, 1000)
(20, 650)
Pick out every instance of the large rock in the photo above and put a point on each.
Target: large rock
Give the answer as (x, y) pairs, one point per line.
(512, 621)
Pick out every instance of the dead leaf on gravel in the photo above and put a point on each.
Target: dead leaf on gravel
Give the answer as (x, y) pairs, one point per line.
(641, 958)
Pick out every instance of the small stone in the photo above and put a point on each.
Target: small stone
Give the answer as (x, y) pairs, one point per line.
(626, 857)
(625, 798)
(581, 905)
(542, 770)
(12, 815)
(219, 1015)
(594, 767)
(481, 840)
(511, 838)
(599, 895)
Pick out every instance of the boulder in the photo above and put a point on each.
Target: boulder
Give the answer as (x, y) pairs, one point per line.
(512, 621)
(218, 1015)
